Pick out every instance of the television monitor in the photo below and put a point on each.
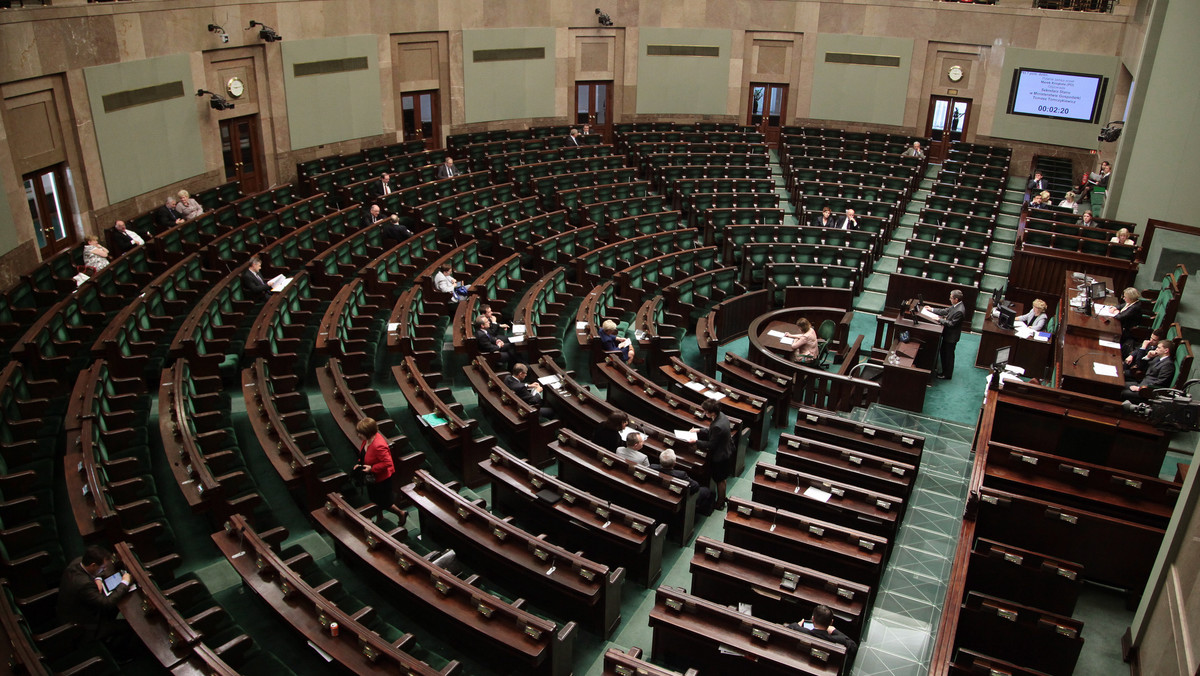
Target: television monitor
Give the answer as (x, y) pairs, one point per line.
(1008, 317)
(1057, 95)
(1002, 355)
(1099, 291)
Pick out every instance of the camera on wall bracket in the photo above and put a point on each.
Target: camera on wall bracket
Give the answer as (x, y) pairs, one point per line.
(214, 28)
(1111, 132)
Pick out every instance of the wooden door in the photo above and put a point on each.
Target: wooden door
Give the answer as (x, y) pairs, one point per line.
(768, 109)
(50, 207)
(593, 106)
(241, 150)
(421, 117)
(949, 119)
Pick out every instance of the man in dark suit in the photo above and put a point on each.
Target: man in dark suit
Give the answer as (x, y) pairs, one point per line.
(81, 598)
(495, 328)
(372, 216)
(848, 221)
(573, 138)
(1159, 372)
(530, 394)
(393, 229)
(448, 170)
(825, 219)
(167, 217)
(382, 186)
(125, 239)
(488, 343)
(951, 321)
(253, 283)
(717, 441)
(1036, 184)
(821, 626)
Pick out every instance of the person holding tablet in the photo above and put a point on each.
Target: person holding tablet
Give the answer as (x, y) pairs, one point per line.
(88, 595)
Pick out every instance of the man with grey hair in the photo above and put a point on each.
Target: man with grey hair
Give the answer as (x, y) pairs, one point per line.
(632, 450)
(167, 216)
(704, 495)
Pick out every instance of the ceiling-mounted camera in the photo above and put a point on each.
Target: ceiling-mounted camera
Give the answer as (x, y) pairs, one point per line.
(214, 28)
(265, 32)
(1111, 132)
(215, 101)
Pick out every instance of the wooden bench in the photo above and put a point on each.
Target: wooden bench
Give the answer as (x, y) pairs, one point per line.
(451, 434)
(838, 502)
(533, 435)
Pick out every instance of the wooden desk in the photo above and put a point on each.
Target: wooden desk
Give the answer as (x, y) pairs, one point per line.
(924, 333)
(1078, 347)
(153, 616)
(1032, 355)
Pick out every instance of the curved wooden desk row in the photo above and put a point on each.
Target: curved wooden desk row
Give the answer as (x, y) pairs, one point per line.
(696, 386)
(357, 648)
(351, 398)
(870, 471)
(853, 554)
(642, 148)
(541, 309)
(283, 426)
(98, 391)
(546, 186)
(582, 410)
(602, 263)
(515, 237)
(840, 502)
(692, 630)
(656, 494)
(825, 426)
(510, 411)
(450, 433)
(514, 153)
(779, 591)
(563, 582)
(500, 630)
(601, 530)
(632, 281)
(524, 174)
(193, 423)
(397, 266)
(440, 211)
(573, 199)
(561, 248)
(346, 328)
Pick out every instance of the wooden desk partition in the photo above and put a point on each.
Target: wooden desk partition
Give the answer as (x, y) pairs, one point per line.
(499, 630)
(720, 640)
(617, 663)
(561, 580)
(356, 648)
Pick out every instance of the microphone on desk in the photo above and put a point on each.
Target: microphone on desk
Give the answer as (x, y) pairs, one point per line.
(1086, 354)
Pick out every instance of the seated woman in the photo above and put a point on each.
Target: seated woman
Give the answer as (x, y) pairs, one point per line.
(1070, 201)
(187, 207)
(94, 255)
(1036, 318)
(445, 282)
(1122, 237)
(609, 342)
(806, 347)
(1129, 314)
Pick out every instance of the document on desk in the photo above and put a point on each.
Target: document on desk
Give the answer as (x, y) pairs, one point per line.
(1110, 343)
(712, 394)
(548, 380)
(775, 334)
(817, 494)
(581, 326)
(786, 341)
(1023, 331)
(516, 339)
(392, 326)
(696, 385)
(1104, 310)
(518, 329)
(1104, 369)
(928, 314)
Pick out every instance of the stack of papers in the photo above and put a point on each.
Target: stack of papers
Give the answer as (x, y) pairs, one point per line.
(685, 435)
(775, 334)
(695, 385)
(518, 329)
(1104, 369)
(278, 282)
(1109, 343)
(1104, 310)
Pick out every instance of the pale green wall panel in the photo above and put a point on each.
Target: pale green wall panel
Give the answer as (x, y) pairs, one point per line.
(332, 107)
(1157, 172)
(1044, 130)
(506, 90)
(697, 85)
(851, 92)
(150, 145)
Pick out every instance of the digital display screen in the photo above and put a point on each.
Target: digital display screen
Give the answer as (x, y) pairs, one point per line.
(1057, 95)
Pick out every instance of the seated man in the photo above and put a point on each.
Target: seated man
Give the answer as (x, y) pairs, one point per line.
(372, 216)
(632, 450)
(1036, 318)
(1139, 359)
(530, 394)
(81, 600)
(445, 282)
(573, 138)
(488, 343)
(1088, 220)
(609, 342)
(168, 216)
(382, 186)
(252, 282)
(448, 170)
(1036, 184)
(125, 239)
(1159, 372)
(496, 329)
(825, 219)
(914, 151)
(821, 626)
(705, 501)
(849, 221)
(395, 230)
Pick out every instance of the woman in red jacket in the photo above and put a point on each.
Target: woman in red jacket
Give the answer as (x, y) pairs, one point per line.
(375, 464)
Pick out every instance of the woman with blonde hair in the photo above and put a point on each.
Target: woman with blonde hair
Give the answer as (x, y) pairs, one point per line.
(1122, 237)
(1129, 314)
(187, 207)
(609, 342)
(1070, 201)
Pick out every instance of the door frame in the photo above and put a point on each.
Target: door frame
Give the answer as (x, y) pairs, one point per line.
(939, 147)
(434, 140)
(70, 235)
(256, 149)
(772, 134)
(604, 129)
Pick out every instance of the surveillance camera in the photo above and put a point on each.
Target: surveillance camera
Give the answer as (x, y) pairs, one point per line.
(224, 37)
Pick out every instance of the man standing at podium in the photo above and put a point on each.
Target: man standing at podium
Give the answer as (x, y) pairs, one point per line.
(951, 321)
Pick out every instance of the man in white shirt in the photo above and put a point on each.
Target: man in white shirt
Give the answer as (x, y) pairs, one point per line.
(125, 239)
